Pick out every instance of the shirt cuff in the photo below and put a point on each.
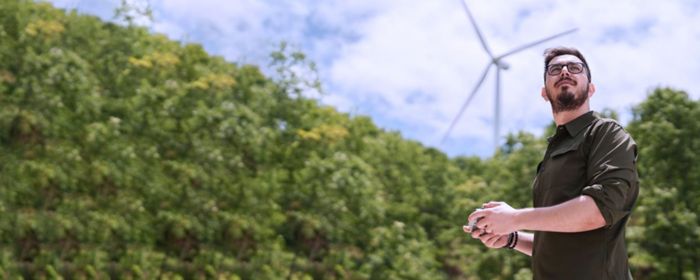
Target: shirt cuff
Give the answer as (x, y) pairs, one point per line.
(606, 204)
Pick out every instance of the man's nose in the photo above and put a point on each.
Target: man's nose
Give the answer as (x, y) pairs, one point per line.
(565, 72)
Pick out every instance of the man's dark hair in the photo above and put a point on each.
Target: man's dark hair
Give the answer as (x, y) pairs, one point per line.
(551, 53)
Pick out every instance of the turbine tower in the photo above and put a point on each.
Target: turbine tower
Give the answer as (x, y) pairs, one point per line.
(500, 65)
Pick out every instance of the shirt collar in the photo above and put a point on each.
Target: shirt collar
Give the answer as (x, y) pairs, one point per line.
(575, 126)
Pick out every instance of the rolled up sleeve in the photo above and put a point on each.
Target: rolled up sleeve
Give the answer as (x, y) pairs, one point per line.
(612, 173)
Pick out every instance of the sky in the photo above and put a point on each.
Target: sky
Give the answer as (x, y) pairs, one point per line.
(410, 64)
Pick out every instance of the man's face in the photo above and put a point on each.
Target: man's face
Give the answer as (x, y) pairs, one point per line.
(566, 91)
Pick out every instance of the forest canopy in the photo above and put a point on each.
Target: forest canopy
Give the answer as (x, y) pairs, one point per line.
(125, 154)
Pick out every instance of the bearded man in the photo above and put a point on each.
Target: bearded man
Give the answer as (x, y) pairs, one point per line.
(584, 190)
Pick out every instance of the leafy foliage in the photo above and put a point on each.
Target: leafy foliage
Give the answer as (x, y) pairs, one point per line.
(667, 229)
(127, 155)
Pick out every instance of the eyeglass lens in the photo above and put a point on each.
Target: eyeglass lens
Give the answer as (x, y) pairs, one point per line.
(573, 68)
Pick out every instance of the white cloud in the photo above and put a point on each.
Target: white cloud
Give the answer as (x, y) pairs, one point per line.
(622, 41)
(411, 64)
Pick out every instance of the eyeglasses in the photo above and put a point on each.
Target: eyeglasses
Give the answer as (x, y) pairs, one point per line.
(572, 67)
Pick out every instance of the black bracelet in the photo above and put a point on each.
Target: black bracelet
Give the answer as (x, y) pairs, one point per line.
(515, 240)
(511, 238)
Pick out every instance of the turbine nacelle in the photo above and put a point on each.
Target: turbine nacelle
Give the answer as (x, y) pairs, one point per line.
(501, 64)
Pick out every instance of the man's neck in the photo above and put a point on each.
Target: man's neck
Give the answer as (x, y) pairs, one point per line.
(565, 117)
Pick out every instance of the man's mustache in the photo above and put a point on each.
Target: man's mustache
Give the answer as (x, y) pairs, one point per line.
(564, 80)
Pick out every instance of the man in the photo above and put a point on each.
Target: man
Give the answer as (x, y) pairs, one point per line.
(583, 192)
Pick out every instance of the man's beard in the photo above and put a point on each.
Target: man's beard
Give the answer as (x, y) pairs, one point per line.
(568, 100)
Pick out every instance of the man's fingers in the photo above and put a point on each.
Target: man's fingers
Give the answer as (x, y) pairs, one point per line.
(467, 229)
(482, 224)
(487, 241)
(491, 238)
(492, 204)
(481, 235)
(491, 241)
(476, 214)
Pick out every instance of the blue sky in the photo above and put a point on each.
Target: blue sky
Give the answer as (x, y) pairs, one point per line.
(410, 64)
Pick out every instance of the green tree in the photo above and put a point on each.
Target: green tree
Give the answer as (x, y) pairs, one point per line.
(124, 154)
(666, 229)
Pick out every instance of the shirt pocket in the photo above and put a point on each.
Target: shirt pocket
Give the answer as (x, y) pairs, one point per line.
(565, 148)
(557, 157)
(565, 170)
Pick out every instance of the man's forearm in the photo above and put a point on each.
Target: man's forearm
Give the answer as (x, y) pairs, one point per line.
(576, 215)
(525, 241)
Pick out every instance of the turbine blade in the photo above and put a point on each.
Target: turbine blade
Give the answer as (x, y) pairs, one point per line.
(476, 28)
(469, 99)
(523, 47)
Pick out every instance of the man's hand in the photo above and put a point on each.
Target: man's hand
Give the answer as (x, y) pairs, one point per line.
(497, 218)
(489, 239)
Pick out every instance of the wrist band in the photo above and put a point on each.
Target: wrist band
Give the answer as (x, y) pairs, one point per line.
(515, 240)
(512, 240)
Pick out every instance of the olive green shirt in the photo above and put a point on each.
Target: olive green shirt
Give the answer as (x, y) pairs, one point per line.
(595, 157)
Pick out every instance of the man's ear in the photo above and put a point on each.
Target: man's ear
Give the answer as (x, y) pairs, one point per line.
(544, 95)
(591, 89)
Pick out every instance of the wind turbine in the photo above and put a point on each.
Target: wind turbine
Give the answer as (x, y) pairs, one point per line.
(500, 65)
